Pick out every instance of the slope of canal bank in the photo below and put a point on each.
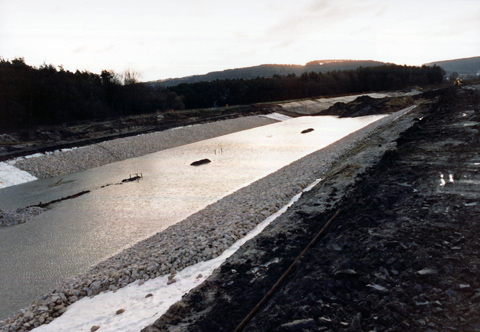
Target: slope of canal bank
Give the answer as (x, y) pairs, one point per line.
(402, 253)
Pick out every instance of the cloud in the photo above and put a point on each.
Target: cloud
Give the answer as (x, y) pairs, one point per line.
(457, 26)
(314, 18)
(108, 48)
(381, 11)
(80, 49)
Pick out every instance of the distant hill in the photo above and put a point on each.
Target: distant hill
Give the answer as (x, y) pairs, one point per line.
(467, 66)
(268, 70)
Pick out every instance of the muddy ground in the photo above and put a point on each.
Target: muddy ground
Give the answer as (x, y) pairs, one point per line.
(403, 254)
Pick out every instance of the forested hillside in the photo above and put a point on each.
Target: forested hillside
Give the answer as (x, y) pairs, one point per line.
(466, 66)
(30, 97)
(277, 88)
(269, 70)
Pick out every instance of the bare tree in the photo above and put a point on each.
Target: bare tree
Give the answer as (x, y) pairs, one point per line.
(131, 76)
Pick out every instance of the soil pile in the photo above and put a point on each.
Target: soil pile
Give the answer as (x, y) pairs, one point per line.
(402, 255)
(365, 105)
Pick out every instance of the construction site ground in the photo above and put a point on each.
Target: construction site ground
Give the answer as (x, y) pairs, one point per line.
(402, 253)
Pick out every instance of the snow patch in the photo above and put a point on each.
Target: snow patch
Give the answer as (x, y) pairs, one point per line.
(277, 116)
(11, 175)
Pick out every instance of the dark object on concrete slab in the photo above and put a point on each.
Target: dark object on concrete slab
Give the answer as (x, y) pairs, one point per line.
(200, 162)
(309, 130)
(133, 177)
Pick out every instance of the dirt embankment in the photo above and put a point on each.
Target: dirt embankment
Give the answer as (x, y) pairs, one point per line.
(402, 255)
(49, 138)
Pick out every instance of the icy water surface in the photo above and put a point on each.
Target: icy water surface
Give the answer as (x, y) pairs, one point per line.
(79, 233)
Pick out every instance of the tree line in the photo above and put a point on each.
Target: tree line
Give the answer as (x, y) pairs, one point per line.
(31, 96)
(312, 84)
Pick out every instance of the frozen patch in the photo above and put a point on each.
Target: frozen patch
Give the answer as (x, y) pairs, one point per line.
(11, 176)
(277, 116)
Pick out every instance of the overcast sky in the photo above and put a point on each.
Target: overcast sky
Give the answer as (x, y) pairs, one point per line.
(176, 38)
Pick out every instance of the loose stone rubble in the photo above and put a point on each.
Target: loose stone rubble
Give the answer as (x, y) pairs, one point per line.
(19, 216)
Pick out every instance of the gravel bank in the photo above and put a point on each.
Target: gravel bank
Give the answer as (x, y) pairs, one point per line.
(68, 161)
(19, 216)
(200, 237)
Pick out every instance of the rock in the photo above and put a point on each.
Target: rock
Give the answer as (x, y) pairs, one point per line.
(94, 328)
(464, 287)
(96, 287)
(378, 288)
(422, 304)
(148, 295)
(58, 307)
(299, 325)
(72, 299)
(427, 271)
(120, 311)
(346, 273)
(63, 297)
(357, 322)
(325, 319)
(29, 315)
(42, 309)
(418, 288)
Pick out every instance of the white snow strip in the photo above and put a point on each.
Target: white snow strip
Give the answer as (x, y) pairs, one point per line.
(405, 111)
(277, 116)
(35, 155)
(38, 155)
(11, 176)
(141, 311)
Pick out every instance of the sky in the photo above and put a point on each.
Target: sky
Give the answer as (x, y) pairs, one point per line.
(165, 39)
